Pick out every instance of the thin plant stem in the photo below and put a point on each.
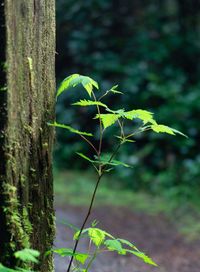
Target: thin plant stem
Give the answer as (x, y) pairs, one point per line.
(100, 127)
(100, 174)
(121, 127)
(91, 144)
(85, 221)
(92, 259)
(140, 130)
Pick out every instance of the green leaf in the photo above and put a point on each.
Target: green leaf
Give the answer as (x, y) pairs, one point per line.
(123, 241)
(115, 245)
(108, 119)
(124, 140)
(19, 269)
(142, 256)
(76, 235)
(104, 159)
(85, 103)
(6, 269)
(64, 252)
(81, 257)
(27, 255)
(179, 132)
(116, 163)
(96, 235)
(113, 90)
(84, 157)
(73, 130)
(165, 129)
(162, 128)
(145, 116)
(94, 223)
(75, 79)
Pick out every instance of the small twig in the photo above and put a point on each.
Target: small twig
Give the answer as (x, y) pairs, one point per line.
(84, 222)
(92, 259)
(88, 141)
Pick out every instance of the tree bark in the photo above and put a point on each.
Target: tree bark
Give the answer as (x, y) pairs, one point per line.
(26, 105)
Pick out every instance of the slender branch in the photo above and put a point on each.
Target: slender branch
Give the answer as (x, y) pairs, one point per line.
(140, 130)
(90, 208)
(92, 259)
(84, 222)
(103, 95)
(100, 127)
(91, 144)
(121, 127)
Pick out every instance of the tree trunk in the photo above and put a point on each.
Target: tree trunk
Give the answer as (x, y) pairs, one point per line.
(27, 81)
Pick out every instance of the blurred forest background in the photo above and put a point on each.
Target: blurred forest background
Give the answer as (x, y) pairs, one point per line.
(152, 50)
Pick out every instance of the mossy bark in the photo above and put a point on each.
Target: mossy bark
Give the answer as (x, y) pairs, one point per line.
(26, 105)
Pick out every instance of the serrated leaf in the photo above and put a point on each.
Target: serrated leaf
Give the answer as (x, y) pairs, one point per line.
(145, 116)
(71, 129)
(162, 128)
(81, 257)
(85, 103)
(96, 235)
(142, 256)
(104, 159)
(27, 255)
(116, 162)
(124, 140)
(76, 235)
(84, 157)
(165, 129)
(94, 223)
(113, 90)
(115, 245)
(75, 79)
(179, 132)
(108, 119)
(123, 241)
(64, 252)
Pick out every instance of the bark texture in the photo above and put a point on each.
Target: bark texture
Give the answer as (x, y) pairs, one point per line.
(26, 196)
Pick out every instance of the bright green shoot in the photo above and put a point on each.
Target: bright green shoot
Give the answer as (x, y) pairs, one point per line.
(103, 163)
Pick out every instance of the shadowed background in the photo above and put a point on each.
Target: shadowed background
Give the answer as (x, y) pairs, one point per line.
(152, 50)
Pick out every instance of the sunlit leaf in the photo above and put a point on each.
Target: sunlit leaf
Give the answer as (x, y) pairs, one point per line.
(27, 255)
(113, 90)
(73, 130)
(107, 119)
(145, 116)
(96, 235)
(75, 79)
(179, 132)
(64, 252)
(115, 245)
(162, 128)
(123, 241)
(85, 103)
(142, 256)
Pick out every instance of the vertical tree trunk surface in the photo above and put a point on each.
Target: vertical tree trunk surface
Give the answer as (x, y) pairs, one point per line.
(27, 81)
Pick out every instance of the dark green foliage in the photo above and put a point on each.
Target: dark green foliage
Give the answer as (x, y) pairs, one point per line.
(151, 48)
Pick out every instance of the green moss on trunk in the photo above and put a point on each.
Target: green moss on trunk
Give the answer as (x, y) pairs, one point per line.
(26, 151)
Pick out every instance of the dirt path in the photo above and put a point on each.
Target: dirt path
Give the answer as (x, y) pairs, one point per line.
(154, 235)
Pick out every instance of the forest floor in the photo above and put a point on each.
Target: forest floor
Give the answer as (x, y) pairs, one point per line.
(153, 232)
